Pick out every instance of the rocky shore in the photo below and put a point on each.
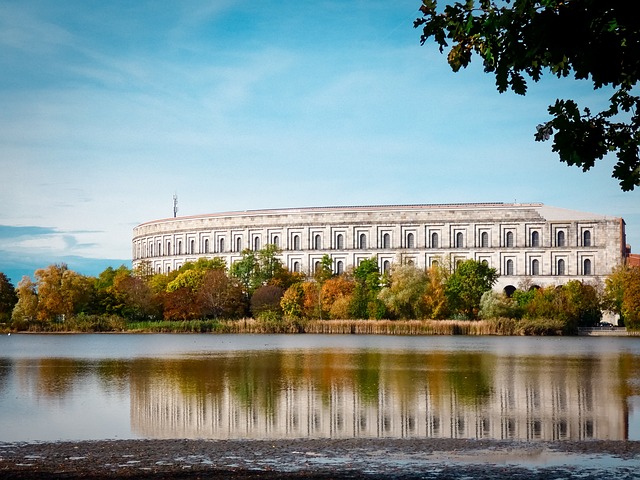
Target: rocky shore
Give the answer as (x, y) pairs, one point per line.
(404, 459)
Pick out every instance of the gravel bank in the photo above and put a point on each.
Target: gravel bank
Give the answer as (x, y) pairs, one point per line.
(320, 459)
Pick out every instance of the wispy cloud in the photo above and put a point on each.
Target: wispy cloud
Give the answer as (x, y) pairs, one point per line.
(12, 232)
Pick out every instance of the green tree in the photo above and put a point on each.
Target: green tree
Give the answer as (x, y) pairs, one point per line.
(497, 305)
(364, 300)
(269, 265)
(582, 304)
(404, 297)
(245, 271)
(8, 298)
(26, 310)
(465, 286)
(592, 40)
(324, 270)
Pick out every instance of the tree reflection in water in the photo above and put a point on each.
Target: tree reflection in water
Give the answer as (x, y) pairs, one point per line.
(333, 393)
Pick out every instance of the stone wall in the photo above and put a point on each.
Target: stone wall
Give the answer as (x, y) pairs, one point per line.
(539, 244)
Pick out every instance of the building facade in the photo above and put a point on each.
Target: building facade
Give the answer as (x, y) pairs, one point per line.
(533, 243)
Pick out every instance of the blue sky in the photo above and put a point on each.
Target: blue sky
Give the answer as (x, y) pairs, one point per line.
(109, 108)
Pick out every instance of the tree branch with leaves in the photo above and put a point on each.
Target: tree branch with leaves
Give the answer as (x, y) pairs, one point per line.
(594, 40)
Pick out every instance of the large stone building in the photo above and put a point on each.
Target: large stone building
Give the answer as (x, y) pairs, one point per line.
(541, 244)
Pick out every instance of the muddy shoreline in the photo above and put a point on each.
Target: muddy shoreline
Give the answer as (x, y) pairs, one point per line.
(406, 459)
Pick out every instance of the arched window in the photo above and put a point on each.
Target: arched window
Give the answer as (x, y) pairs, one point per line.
(256, 244)
(586, 267)
(410, 240)
(560, 240)
(159, 249)
(586, 238)
(339, 242)
(317, 242)
(535, 238)
(484, 240)
(296, 242)
(560, 270)
(509, 240)
(296, 266)
(151, 250)
(206, 245)
(276, 241)
(434, 240)
(459, 240)
(179, 251)
(221, 245)
(362, 241)
(386, 266)
(509, 267)
(192, 246)
(386, 241)
(535, 267)
(339, 267)
(316, 267)
(238, 244)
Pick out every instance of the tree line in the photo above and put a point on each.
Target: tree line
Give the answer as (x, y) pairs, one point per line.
(260, 286)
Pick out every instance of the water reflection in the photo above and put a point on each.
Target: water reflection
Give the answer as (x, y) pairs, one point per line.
(369, 394)
(328, 393)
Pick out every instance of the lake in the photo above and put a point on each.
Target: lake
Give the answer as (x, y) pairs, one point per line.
(111, 386)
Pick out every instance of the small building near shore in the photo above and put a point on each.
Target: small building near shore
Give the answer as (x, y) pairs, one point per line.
(527, 243)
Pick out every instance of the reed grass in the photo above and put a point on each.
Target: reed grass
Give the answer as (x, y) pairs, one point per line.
(497, 326)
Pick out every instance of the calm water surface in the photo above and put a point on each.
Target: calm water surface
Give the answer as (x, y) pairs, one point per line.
(79, 387)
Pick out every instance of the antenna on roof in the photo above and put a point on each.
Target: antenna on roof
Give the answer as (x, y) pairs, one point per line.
(175, 205)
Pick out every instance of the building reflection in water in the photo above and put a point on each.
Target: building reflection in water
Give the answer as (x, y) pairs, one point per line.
(342, 395)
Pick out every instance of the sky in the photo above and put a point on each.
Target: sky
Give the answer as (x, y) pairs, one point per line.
(109, 109)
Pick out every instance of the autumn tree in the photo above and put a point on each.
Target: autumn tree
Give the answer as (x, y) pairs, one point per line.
(435, 300)
(592, 40)
(180, 304)
(8, 298)
(465, 286)
(133, 298)
(265, 301)
(336, 293)
(103, 300)
(622, 294)
(312, 306)
(220, 296)
(61, 292)
(292, 302)
(631, 299)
